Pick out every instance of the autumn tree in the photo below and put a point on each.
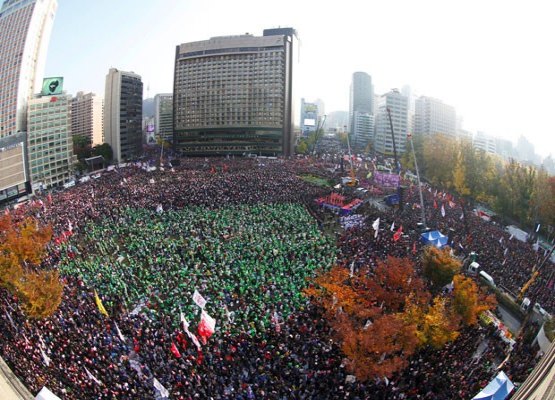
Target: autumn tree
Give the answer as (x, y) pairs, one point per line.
(468, 300)
(380, 349)
(439, 326)
(439, 266)
(22, 247)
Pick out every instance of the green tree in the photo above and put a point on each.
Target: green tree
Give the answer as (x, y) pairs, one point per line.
(104, 150)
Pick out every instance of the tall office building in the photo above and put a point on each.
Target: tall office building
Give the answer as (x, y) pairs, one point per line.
(123, 114)
(484, 142)
(233, 94)
(87, 117)
(361, 97)
(309, 117)
(434, 116)
(25, 27)
(50, 145)
(398, 105)
(163, 116)
(363, 131)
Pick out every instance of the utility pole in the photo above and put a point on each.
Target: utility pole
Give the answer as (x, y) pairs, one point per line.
(419, 184)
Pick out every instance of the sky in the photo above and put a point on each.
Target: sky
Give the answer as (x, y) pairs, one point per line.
(492, 60)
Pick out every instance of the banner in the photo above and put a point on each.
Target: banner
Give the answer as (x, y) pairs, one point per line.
(198, 299)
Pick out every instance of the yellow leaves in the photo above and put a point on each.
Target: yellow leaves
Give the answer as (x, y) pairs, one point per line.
(439, 266)
(23, 245)
(438, 327)
(468, 301)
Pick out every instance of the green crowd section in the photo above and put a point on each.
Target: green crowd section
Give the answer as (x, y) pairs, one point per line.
(250, 262)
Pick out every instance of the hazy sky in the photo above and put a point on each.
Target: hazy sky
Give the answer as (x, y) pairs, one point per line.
(492, 60)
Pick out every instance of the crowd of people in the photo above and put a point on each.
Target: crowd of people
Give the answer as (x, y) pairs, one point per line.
(239, 233)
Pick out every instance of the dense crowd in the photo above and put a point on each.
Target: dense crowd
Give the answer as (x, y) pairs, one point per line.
(235, 230)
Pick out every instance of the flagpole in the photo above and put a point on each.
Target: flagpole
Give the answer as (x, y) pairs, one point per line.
(419, 184)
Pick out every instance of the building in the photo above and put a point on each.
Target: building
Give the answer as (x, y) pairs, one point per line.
(484, 142)
(361, 97)
(363, 131)
(233, 95)
(87, 117)
(398, 105)
(337, 120)
(504, 148)
(434, 116)
(525, 150)
(123, 114)
(163, 116)
(309, 117)
(49, 141)
(25, 27)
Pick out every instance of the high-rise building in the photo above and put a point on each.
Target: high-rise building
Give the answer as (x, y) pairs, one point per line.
(309, 117)
(434, 116)
(484, 142)
(87, 117)
(525, 150)
(50, 145)
(233, 94)
(163, 116)
(25, 27)
(361, 97)
(123, 114)
(398, 106)
(363, 130)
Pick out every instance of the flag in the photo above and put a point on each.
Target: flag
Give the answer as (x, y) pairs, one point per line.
(442, 211)
(206, 326)
(175, 351)
(198, 299)
(462, 216)
(538, 227)
(100, 305)
(376, 226)
(505, 252)
(45, 358)
(392, 226)
(92, 377)
(352, 270)
(413, 247)
(159, 209)
(398, 234)
(435, 204)
(511, 238)
(183, 321)
(501, 240)
(122, 338)
(161, 389)
(191, 335)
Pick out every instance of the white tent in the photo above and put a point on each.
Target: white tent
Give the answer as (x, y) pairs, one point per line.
(497, 389)
(46, 394)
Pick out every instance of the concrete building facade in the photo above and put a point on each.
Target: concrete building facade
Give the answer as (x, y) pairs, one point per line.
(233, 95)
(363, 130)
(361, 97)
(484, 142)
(123, 114)
(50, 144)
(163, 116)
(398, 105)
(25, 27)
(434, 116)
(87, 117)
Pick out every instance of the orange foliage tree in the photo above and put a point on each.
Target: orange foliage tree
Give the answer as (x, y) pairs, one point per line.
(469, 301)
(363, 311)
(22, 247)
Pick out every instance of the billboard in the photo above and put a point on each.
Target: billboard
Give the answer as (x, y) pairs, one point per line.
(309, 122)
(52, 86)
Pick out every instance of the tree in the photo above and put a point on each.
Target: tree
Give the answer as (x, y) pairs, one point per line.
(104, 150)
(439, 266)
(22, 247)
(438, 326)
(468, 300)
(381, 349)
(302, 146)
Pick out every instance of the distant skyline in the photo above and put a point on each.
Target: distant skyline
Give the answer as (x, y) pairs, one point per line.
(490, 60)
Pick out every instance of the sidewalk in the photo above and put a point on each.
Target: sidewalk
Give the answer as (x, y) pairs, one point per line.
(10, 387)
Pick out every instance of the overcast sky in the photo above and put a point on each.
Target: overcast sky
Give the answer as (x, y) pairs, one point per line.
(492, 60)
